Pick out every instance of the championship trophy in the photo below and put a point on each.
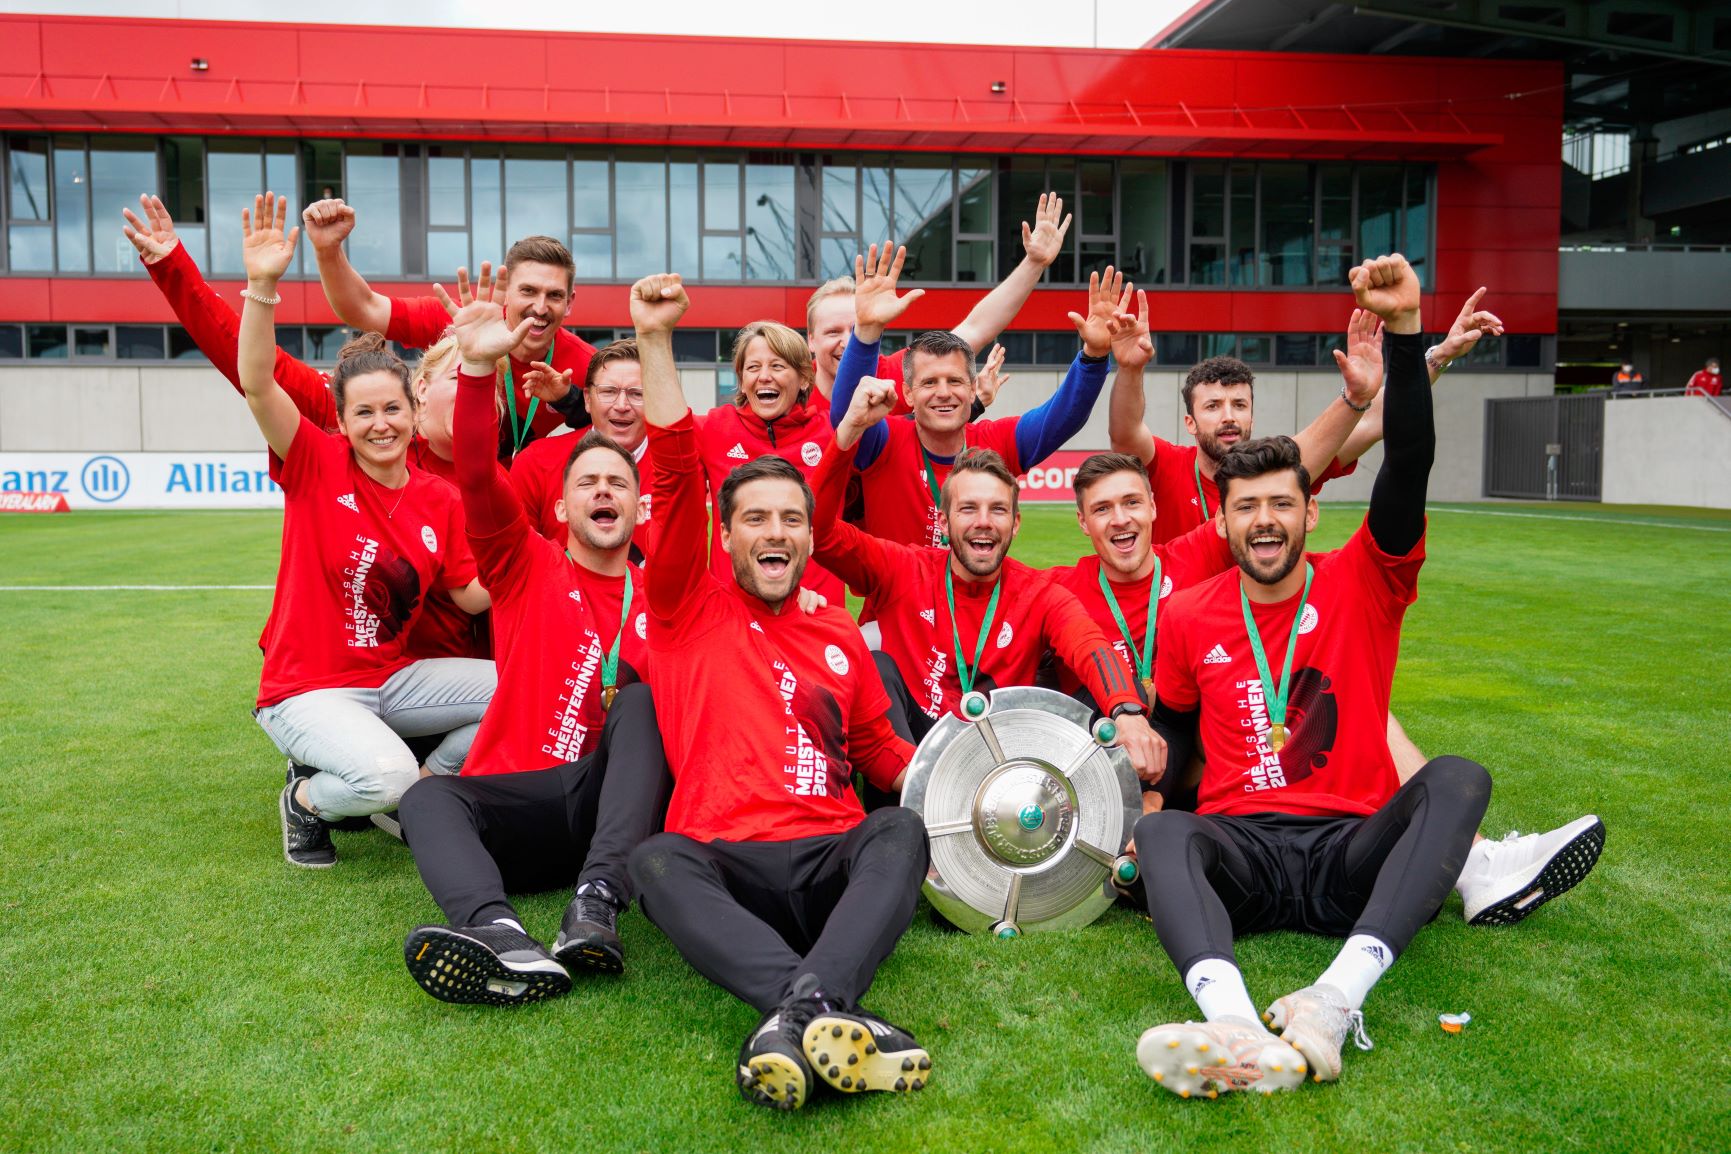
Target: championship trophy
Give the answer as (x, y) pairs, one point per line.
(1027, 811)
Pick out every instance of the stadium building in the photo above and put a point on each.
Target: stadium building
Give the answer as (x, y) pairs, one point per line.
(1232, 175)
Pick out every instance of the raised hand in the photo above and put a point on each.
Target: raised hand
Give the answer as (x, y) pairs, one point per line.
(479, 326)
(155, 239)
(810, 600)
(991, 377)
(265, 251)
(1132, 344)
(482, 288)
(1361, 361)
(657, 303)
(1387, 286)
(1469, 326)
(547, 383)
(875, 303)
(1108, 299)
(1045, 240)
(328, 223)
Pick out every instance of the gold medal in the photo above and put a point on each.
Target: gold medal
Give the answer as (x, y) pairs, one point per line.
(609, 692)
(1148, 689)
(1277, 737)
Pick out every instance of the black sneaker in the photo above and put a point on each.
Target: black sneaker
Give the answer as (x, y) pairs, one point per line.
(306, 840)
(589, 931)
(772, 1070)
(298, 772)
(492, 965)
(855, 1050)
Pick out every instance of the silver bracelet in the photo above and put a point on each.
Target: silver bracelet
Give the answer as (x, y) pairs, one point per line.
(1434, 362)
(260, 298)
(1348, 399)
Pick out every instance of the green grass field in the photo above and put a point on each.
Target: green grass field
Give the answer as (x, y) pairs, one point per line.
(173, 985)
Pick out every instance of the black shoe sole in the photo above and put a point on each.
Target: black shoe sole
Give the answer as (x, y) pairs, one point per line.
(455, 968)
(1567, 867)
(322, 858)
(844, 1053)
(593, 953)
(774, 1080)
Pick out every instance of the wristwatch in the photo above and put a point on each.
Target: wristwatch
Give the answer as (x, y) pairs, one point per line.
(1128, 707)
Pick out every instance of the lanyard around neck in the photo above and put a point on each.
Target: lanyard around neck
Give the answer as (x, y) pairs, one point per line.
(1143, 658)
(520, 433)
(1276, 699)
(964, 674)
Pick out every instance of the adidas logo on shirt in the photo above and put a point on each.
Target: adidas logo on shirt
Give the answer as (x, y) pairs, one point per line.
(1217, 656)
(737, 452)
(929, 617)
(349, 500)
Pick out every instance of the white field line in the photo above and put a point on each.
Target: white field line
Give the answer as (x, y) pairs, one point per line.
(1475, 511)
(121, 588)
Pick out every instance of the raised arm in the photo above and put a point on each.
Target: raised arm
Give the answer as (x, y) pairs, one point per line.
(1127, 407)
(482, 338)
(267, 253)
(1360, 366)
(677, 485)
(1048, 425)
(1388, 287)
(1041, 244)
(328, 224)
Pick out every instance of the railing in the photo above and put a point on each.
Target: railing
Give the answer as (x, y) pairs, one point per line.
(1643, 246)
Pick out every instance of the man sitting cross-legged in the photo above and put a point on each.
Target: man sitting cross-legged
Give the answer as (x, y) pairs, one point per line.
(1285, 664)
(566, 775)
(770, 880)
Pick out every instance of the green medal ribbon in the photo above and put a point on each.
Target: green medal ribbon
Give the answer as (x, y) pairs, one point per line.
(1143, 659)
(964, 674)
(1201, 498)
(932, 485)
(610, 663)
(1276, 701)
(520, 433)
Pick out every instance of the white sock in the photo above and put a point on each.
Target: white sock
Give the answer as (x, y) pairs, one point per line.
(1219, 990)
(1356, 968)
(512, 922)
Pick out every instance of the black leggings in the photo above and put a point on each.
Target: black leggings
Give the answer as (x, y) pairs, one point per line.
(753, 916)
(1384, 875)
(476, 837)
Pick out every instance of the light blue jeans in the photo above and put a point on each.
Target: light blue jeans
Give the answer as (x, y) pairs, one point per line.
(354, 737)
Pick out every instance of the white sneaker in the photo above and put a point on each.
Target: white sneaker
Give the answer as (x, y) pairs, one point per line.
(1315, 1021)
(1191, 1058)
(1504, 881)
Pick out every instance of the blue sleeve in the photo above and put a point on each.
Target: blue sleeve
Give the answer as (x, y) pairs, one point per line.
(858, 361)
(1045, 427)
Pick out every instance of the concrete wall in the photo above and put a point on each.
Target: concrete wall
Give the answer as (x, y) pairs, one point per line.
(190, 408)
(1624, 282)
(1667, 451)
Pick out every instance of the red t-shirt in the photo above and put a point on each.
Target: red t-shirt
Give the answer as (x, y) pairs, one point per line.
(904, 589)
(728, 436)
(898, 496)
(1703, 384)
(1192, 558)
(357, 562)
(1336, 760)
(553, 623)
(419, 322)
(765, 714)
(538, 476)
(1172, 476)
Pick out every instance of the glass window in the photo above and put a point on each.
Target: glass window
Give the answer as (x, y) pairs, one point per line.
(642, 218)
(321, 169)
(1054, 348)
(181, 346)
(71, 205)
(1242, 222)
(840, 190)
(726, 385)
(236, 176)
(288, 339)
(694, 346)
(720, 195)
(29, 178)
(45, 342)
(446, 253)
(1020, 183)
(487, 220)
(535, 198)
(593, 254)
(1218, 345)
(120, 169)
(1095, 255)
(447, 188)
(373, 179)
(30, 248)
(1207, 263)
(1018, 348)
(1415, 235)
(1096, 216)
(92, 342)
(874, 208)
(1523, 351)
(721, 258)
(1207, 200)
(974, 262)
(683, 231)
(1255, 350)
(974, 202)
(1286, 225)
(1329, 342)
(11, 342)
(838, 254)
(1175, 349)
(323, 344)
(279, 177)
(1334, 199)
(1142, 241)
(139, 342)
(922, 218)
(1295, 349)
(591, 201)
(1379, 210)
(770, 228)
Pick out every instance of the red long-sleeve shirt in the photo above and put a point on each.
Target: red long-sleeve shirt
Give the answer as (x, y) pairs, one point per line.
(553, 620)
(538, 476)
(764, 713)
(441, 629)
(1178, 503)
(904, 588)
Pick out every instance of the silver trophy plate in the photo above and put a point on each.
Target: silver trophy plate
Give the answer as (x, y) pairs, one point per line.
(1027, 811)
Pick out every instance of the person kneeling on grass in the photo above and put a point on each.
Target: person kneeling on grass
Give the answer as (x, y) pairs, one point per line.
(770, 879)
(366, 538)
(1284, 666)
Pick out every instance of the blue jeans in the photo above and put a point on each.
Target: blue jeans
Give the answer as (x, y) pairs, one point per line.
(354, 737)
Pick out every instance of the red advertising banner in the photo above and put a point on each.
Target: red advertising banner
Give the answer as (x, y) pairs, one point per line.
(33, 503)
(1051, 480)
